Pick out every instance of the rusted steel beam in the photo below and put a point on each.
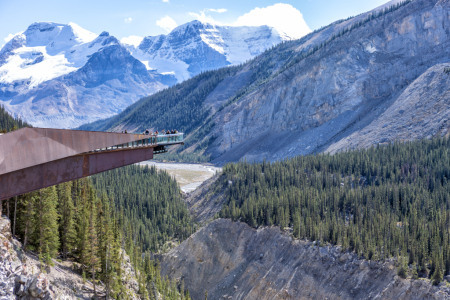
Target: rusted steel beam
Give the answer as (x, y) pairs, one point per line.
(69, 168)
(29, 147)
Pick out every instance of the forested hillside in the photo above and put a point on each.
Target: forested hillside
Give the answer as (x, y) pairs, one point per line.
(151, 204)
(8, 123)
(134, 209)
(385, 201)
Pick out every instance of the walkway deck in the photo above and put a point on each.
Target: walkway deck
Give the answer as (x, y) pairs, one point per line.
(34, 158)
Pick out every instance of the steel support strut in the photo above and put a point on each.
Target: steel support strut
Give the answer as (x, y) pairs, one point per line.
(66, 169)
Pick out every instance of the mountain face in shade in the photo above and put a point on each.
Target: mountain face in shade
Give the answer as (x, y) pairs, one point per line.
(196, 46)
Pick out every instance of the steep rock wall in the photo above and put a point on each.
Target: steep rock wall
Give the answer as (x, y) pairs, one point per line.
(230, 260)
(340, 89)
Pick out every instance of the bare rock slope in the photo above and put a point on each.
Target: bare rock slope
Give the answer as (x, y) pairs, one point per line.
(233, 261)
(381, 81)
(204, 202)
(21, 275)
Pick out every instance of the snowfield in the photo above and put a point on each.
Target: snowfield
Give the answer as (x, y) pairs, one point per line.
(48, 50)
(204, 45)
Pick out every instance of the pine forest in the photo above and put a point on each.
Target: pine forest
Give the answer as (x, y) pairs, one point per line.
(97, 229)
(382, 202)
(8, 123)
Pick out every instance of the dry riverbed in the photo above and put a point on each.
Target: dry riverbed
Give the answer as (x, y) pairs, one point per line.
(188, 176)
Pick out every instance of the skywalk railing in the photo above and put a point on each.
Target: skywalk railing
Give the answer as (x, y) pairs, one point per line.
(151, 141)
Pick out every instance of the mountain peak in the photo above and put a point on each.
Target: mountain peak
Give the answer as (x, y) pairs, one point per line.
(193, 24)
(45, 33)
(43, 26)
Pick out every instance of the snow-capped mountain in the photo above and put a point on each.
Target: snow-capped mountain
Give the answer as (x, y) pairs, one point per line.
(57, 75)
(196, 46)
(61, 75)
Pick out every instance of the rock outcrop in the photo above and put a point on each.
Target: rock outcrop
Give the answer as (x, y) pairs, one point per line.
(204, 203)
(21, 278)
(15, 281)
(233, 261)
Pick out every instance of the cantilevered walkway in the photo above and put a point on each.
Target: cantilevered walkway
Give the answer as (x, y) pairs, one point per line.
(35, 158)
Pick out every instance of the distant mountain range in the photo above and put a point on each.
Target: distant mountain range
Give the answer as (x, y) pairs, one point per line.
(195, 47)
(61, 75)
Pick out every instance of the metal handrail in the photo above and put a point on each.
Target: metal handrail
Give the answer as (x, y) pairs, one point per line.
(153, 140)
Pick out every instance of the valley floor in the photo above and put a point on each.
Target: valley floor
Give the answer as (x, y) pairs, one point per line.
(188, 176)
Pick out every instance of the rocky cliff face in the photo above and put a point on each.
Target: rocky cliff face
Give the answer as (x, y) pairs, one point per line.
(233, 261)
(371, 79)
(21, 276)
(381, 81)
(16, 282)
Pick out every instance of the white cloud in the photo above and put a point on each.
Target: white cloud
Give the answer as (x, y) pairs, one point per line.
(165, 1)
(220, 10)
(9, 37)
(128, 20)
(132, 40)
(202, 17)
(283, 17)
(167, 23)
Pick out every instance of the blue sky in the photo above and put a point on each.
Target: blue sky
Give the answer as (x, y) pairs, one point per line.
(152, 17)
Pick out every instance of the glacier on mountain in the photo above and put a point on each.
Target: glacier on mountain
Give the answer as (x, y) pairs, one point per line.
(196, 47)
(47, 50)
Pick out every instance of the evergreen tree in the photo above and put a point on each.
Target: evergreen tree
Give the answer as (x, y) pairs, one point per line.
(46, 226)
(82, 223)
(91, 252)
(8, 123)
(26, 217)
(101, 230)
(67, 219)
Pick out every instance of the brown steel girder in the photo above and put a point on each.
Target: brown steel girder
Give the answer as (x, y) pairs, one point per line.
(69, 168)
(29, 147)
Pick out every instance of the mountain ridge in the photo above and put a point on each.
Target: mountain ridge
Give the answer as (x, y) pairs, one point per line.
(196, 46)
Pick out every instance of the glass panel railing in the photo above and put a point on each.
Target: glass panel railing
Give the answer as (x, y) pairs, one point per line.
(161, 139)
(169, 139)
(153, 140)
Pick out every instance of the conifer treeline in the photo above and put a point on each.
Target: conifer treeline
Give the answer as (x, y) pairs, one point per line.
(70, 220)
(381, 202)
(153, 211)
(8, 123)
(73, 221)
